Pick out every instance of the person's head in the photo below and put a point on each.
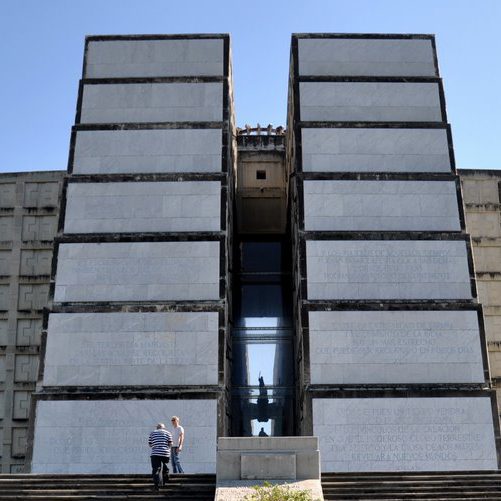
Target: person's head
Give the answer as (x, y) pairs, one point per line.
(160, 426)
(174, 420)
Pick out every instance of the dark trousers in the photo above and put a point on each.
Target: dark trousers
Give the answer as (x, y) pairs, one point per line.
(159, 465)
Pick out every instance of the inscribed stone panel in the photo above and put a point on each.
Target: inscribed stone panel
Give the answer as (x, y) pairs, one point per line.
(405, 434)
(152, 102)
(4, 297)
(41, 194)
(375, 150)
(138, 271)
(39, 228)
(154, 58)
(376, 269)
(6, 228)
(151, 150)
(26, 368)
(7, 195)
(19, 440)
(143, 207)
(370, 101)
(4, 332)
(5, 262)
(21, 407)
(395, 347)
(381, 206)
(132, 349)
(29, 331)
(36, 262)
(110, 436)
(359, 57)
(33, 297)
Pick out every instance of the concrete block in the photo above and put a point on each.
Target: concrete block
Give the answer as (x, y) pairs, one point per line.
(28, 332)
(42, 228)
(381, 206)
(4, 297)
(19, 438)
(268, 466)
(138, 271)
(154, 58)
(5, 267)
(374, 269)
(143, 207)
(26, 368)
(362, 57)
(483, 223)
(21, 405)
(6, 228)
(132, 348)
(36, 262)
(395, 347)
(405, 434)
(480, 191)
(7, 195)
(151, 150)
(375, 150)
(110, 436)
(4, 332)
(41, 195)
(152, 102)
(370, 101)
(33, 297)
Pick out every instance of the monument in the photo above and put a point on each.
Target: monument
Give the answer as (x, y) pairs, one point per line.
(358, 302)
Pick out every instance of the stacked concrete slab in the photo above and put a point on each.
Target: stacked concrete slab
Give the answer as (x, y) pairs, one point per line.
(137, 329)
(392, 362)
(29, 207)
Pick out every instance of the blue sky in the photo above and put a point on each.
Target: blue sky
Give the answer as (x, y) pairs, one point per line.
(42, 41)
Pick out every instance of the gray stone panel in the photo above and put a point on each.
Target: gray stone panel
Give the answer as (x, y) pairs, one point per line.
(21, 405)
(110, 436)
(2, 368)
(33, 297)
(41, 195)
(4, 332)
(405, 434)
(2, 404)
(36, 262)
(143, 207)
(4, 297)
(370, 101)
(19, 439)
(25, 369)
(375, 269)
(7, 195)
(151, 150)
(152, 102)
(39, 228)
(6, 228)
(5, 262)
(362, 57)
(29, 331)
(395, 347)
(375, 150)
(138, 271)
(154, 58)
(381, 206)
(89, 349)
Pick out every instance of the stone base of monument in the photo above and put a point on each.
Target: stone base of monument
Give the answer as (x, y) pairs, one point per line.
(245, 462)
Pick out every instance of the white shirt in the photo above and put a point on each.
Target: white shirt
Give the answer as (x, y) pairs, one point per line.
(176, 434)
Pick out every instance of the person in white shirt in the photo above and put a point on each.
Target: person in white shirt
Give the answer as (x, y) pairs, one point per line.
(177, 444)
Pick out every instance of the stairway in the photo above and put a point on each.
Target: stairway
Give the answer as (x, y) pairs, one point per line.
(182, 487)
(471, 486)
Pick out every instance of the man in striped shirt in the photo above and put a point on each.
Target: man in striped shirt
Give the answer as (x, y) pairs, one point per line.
(160, 442)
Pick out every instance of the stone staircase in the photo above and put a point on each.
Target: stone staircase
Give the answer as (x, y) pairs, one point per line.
(471, 486)
(182, 487)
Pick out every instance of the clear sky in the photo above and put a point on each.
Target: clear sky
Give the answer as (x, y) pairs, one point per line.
(42, 42)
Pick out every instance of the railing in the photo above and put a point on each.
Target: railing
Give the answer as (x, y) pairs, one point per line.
(269, 130)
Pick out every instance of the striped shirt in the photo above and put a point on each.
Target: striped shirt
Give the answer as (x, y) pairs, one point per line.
(160, 442)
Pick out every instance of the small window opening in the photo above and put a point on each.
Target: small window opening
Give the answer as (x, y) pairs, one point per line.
(260, 174)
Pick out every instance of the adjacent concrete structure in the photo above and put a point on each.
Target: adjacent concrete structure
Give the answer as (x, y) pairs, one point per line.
(29, 208)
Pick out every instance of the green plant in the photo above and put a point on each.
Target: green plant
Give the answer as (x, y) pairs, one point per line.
(269, 492)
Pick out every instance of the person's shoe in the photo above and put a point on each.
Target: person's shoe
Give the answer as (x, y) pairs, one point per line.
(156, 488)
